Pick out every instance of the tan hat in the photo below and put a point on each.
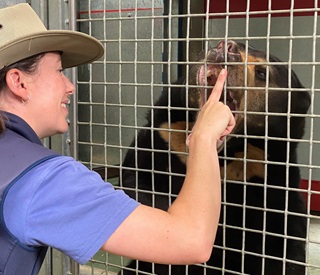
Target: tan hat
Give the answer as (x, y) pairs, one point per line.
(22, 34)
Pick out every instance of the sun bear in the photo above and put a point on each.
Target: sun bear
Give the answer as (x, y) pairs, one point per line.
(262, 224)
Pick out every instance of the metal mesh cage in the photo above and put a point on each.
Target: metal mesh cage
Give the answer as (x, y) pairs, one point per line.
(151, 44)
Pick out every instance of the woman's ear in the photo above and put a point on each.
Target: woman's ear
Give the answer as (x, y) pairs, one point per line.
(16, 83)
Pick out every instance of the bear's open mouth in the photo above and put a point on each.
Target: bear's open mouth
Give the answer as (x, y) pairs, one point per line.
(207, 77)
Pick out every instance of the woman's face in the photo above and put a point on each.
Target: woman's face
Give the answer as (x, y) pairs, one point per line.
(48, 90)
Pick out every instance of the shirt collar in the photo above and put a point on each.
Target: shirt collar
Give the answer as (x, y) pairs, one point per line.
(21, 127)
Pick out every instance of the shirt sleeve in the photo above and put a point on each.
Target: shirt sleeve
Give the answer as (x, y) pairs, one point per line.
(62, 204)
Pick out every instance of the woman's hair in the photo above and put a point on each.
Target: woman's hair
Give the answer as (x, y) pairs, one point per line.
(28, 65)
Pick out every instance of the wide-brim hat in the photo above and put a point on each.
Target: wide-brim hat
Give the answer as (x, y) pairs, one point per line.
(22, 34)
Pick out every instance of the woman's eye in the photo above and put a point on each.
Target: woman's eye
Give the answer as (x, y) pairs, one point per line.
(261, 74)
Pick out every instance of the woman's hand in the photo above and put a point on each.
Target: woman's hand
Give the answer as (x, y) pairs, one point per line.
(215, 118)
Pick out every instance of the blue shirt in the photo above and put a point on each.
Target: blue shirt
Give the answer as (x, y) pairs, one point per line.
(62, 204)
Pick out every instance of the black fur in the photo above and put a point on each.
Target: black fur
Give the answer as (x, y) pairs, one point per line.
(254, 227)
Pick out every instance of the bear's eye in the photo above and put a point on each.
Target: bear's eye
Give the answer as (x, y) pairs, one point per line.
(261, 73)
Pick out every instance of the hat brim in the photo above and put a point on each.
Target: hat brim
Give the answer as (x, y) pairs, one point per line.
(77, 48)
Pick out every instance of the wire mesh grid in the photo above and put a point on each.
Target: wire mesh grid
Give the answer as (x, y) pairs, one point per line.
(151, 44)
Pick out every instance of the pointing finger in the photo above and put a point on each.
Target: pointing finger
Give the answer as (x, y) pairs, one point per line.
(218, 87)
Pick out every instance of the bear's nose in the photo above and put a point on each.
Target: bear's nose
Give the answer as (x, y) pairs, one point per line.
(232, 46)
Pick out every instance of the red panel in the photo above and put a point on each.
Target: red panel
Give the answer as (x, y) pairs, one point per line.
(220, 6)
(315, 197)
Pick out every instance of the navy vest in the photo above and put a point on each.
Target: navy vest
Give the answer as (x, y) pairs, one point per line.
(20, 151)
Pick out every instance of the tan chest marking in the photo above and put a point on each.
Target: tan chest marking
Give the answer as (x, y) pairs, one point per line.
(235, 169)
(176, 136)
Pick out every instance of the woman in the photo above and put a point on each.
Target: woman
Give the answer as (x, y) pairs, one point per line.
(53, 200)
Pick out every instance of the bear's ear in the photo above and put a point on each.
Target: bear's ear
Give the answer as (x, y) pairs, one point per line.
(301, 99)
